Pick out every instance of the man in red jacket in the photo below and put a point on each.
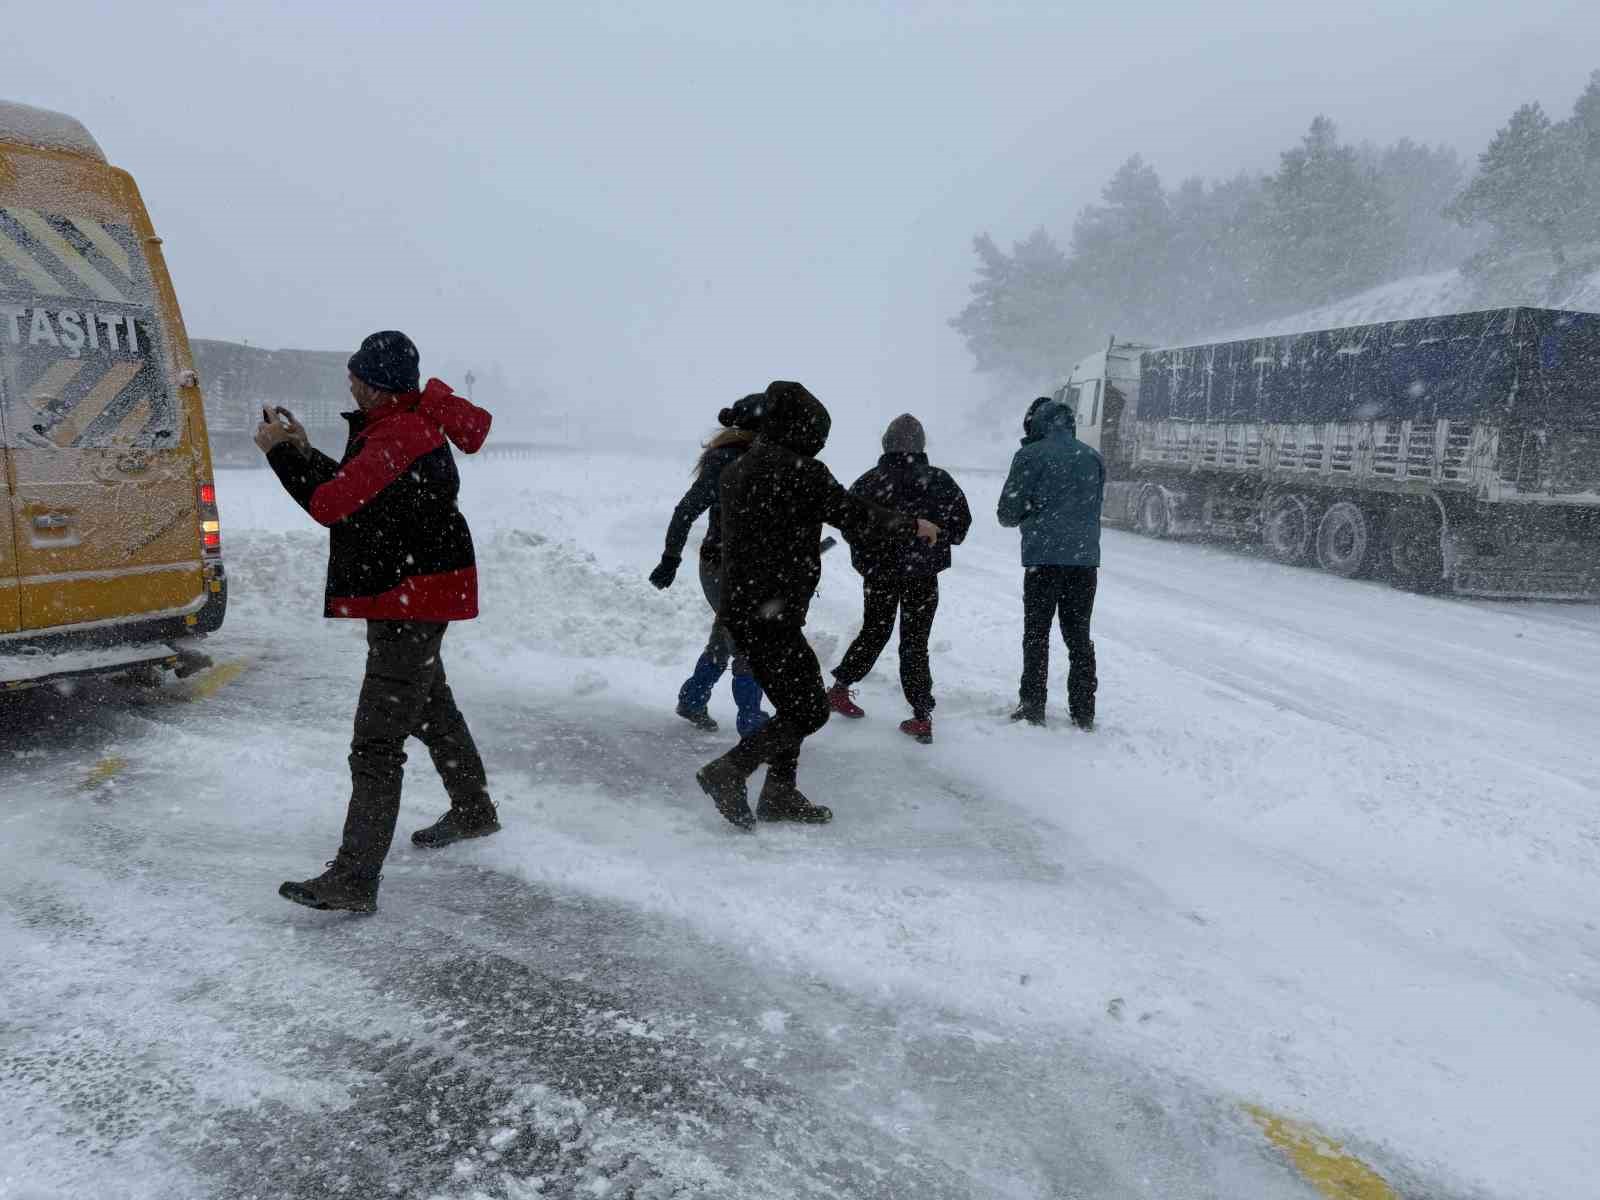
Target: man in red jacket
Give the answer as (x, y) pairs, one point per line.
(399, 557)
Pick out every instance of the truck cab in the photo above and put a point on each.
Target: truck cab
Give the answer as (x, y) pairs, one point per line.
(1103, 392)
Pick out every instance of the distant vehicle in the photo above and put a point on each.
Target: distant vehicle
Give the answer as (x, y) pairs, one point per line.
(1455, 453)
(110, 548)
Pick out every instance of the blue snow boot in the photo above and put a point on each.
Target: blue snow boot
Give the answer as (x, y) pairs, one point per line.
(747, 695)
(696, 692)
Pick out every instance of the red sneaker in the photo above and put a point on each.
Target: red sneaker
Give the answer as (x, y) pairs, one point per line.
(839, 700)
(920, 728)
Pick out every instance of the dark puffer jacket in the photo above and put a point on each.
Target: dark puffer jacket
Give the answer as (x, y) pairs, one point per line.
(399, 548)
(775, 500)
(906, 483)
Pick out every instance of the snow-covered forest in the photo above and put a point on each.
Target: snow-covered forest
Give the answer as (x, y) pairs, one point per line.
(1162, 262)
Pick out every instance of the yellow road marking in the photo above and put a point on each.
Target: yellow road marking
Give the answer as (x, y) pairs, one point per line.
(1321, 1160)
(212, 681)
(107, 245)
(85, 412)
(103, 771)
(30, 270)
(45, 234)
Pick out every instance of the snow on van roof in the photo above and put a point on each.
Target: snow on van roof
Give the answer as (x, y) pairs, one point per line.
(25, 125)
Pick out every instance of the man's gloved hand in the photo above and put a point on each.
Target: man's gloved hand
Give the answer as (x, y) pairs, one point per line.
(663, 574)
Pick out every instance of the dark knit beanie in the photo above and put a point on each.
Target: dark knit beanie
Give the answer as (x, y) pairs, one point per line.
(746, 414)
(388, 362)
(905, 435)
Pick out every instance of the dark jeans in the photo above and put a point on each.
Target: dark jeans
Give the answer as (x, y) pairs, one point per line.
(1067, 592)
(787, 670)
(720, 646)
(915, 598)
(404, 695)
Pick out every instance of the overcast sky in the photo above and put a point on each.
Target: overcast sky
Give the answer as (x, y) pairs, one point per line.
(648, 210)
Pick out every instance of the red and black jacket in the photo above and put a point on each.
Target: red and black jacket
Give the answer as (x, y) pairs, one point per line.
(399, 548)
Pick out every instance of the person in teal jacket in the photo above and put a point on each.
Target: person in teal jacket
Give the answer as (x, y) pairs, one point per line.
(1053, 494)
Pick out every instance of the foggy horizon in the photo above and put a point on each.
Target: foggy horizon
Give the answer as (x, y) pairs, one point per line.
(642, 216)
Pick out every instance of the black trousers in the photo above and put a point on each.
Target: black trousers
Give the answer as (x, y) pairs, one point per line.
(404, 695)
(916, 599)
(720, 646)
(1067, 593)
(787, 669)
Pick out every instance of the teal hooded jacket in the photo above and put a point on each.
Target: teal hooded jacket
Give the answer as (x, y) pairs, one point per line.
(1054, 492)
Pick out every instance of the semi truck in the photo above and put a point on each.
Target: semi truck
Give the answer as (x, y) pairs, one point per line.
(1456, 453)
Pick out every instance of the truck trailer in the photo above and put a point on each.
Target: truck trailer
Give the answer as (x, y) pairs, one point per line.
(1450, 453)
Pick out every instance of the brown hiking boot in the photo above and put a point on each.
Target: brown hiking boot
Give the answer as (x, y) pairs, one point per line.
(723, 781)
(781, 800)
(337, 888)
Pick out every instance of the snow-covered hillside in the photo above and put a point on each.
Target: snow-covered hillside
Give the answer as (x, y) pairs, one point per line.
(1524, 283)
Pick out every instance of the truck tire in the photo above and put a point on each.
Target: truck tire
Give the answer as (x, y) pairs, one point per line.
(1345, 542)
(1288, 528)
(1415, 539)
(1151, 517)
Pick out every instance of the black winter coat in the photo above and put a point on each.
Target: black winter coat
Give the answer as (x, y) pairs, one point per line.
(907, 484)
(775, 500)
(704, 494)
(399, 548)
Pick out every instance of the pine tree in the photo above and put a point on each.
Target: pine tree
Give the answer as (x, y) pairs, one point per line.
(1583, 132)
(1419, 182)
(1025, 318)
(1528, 187)
(1218, 264)
(1122, 251)
(1330, 231)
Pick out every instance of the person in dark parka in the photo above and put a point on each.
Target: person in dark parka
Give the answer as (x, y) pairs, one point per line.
(740, 423)
(775, 500)
(400, 557)
(1054, 493)
(902, 576)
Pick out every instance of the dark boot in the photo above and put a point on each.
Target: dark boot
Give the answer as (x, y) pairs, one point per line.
(1033, 714)
(781, 800)
(724, 782)
(457, 825)
(695, 693)
(338, 888)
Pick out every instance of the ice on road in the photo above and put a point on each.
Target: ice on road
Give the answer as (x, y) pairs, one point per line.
(1330, 855)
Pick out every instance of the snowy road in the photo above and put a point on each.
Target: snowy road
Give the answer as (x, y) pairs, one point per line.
(1332, 856)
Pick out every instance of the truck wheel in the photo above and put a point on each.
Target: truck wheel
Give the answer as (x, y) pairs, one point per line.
(1416, 549)
(1287, 528)
(1344, 540)
(1151, 517)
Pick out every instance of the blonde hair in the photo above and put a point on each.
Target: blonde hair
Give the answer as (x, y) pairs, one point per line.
(721, 440)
